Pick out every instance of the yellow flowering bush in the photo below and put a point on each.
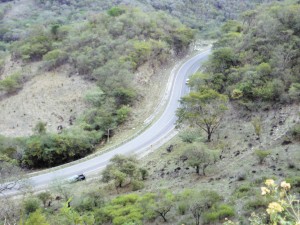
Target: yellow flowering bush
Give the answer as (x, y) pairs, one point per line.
(274, 207)
(284, 208)
(265, 191)
(270, 183)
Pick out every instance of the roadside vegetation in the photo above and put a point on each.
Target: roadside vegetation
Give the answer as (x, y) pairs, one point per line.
(235, 160)
(107, 49)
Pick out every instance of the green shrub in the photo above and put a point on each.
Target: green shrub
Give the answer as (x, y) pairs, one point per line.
(256, 203)
(34, 47)
(30, 205)
(296, 132)
(115, 11)
(261, 155)
(11, 83)
(55, 58)
(122, 114)
(236, 94)
(222, 211)
(2, 63)
(137, 185)
(40, 128)
(124, 96)
(188, 136)
(90, 201)
(243, 190)
(182, 207)
(124, 209)
(256, 123)
(95, 97)
(294, 181)
(294, 91)
(144, 173)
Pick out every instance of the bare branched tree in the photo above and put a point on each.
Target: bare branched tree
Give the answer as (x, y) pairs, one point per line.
(11, 178)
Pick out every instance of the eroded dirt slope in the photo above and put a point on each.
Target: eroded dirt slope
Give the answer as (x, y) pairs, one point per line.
(51, 97)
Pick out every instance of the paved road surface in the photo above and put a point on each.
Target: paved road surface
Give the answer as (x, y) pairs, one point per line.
(157, 131)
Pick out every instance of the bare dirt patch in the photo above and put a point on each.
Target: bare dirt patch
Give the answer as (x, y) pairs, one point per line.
(51, 97)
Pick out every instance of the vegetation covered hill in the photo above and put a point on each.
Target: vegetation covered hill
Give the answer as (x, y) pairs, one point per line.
(242, 112)
(203, 15)
(107, 49)
(257, 59)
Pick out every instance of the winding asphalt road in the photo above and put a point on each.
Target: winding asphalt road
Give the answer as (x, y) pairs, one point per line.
(156, 132)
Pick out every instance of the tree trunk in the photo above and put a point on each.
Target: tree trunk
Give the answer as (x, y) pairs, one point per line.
(198, 170)
(164, 217)
(197, 220)
(162, 214)
(209, 133)
(108, 135)
(203, 169)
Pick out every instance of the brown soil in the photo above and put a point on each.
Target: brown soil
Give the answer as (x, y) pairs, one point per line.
(51, 97)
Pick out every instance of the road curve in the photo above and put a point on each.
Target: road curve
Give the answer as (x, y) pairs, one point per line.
(156, 132)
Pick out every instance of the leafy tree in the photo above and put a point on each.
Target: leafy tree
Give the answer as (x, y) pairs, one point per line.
(203, 109)
(200, 157)
(164, 202)
(122, 169)
(222, 59)
(91, 200)
(200, 203)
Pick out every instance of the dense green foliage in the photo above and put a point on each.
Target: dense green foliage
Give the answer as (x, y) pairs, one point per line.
(124, 170)
(202, 108)
(107, 48)
(205, 15)
(131, 208)
(258, 60)
(54, 149)
(11, 83)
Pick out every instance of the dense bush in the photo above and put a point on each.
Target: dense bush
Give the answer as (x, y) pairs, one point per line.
(11, 83)
(54, 149)
(124, 170)
(30, 205)
(35, 46)
(219, 213)
(258, 60)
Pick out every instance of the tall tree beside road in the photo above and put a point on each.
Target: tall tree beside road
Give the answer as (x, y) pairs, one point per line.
(203, 109)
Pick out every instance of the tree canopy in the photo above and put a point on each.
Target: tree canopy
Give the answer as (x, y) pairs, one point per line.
(203, 109)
